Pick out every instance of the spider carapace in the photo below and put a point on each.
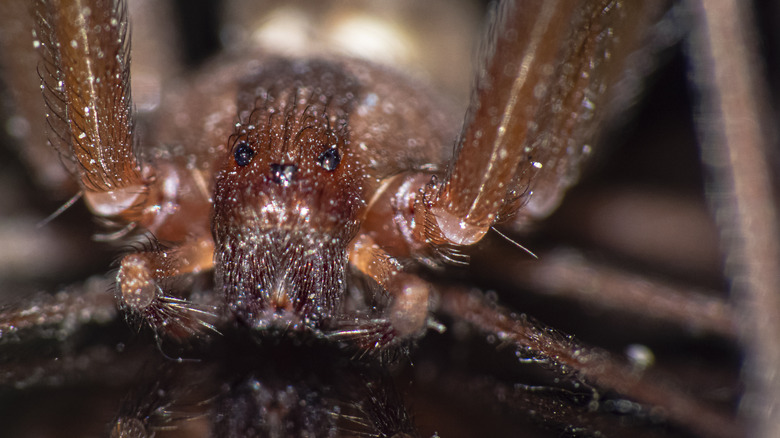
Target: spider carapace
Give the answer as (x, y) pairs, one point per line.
(305, 167)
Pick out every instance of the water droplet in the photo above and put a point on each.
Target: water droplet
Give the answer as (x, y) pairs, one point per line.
(588, 104)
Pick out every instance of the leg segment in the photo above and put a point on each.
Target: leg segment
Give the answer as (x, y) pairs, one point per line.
(597, 367)
(23, 87)
(58, 315)
(738, 141)
(142, 292)
(552, 70)
(568, 274)
(408, 308)
(400, 311)
(86, 85)
(85, 78)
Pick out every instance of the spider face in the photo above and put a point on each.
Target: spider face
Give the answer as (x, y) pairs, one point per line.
(289, 224)
(289, 195)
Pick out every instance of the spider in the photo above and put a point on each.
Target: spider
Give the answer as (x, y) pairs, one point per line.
(289, 226)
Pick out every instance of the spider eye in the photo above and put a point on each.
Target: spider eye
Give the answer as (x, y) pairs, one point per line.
(243, 154)
(330, 159)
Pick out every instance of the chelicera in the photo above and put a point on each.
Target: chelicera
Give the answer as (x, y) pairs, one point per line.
(304, 207)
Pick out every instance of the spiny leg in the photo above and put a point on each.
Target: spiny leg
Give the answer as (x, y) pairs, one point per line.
(737, 147)
(405, 314)
(142, 289)
(514, 141)
(568, 274)
(567, 355)
(551, 75)
(60, 314)
(50, 339)
(569, 410)
(23, 88)
(85, 78)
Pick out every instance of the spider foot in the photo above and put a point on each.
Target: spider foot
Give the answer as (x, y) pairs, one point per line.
(142, 298)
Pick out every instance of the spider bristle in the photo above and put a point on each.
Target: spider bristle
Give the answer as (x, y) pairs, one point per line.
(173, 318)
(441, 249)
(452, 254)
(514, 202)
(139, 240)
(157, 406)
(177, 315)
(377, 411)
(373, 337)
(116, 235)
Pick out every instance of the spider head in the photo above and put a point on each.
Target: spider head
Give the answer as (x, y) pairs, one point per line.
(287, 198)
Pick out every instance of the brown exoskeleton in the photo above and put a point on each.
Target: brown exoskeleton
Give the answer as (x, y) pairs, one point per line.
(319, 149)
(322, 154)
(298, 180)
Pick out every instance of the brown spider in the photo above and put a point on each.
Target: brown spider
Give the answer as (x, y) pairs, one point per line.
(290, 223)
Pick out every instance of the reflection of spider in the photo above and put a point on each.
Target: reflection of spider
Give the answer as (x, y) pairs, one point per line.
(290, 224)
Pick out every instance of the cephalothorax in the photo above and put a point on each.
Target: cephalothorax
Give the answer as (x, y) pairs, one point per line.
(290, 194)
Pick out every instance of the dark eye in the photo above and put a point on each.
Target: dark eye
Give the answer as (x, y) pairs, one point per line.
(243, 154)
(330, 159)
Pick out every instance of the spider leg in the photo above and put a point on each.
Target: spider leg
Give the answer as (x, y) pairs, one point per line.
(85, 77)
(738, 143)
(15, 43)
(568, 410)
(58, 315)
(141, 289)
(516, 149)
(152, 63)
(49, 339)
(567, 273)
(597, 367)
(408, 309)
